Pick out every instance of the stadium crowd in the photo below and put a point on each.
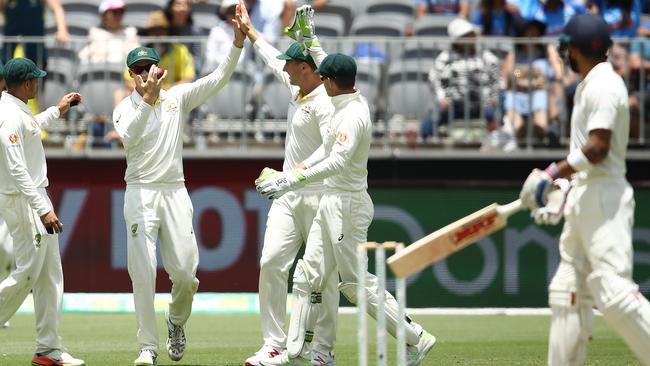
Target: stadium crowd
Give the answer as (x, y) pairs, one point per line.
(481, 73)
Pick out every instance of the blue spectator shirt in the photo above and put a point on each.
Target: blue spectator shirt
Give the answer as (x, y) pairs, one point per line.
(499, 24)
(556, 20)
(24, 18)
(441, 6)
(641, 46)
(614, 18)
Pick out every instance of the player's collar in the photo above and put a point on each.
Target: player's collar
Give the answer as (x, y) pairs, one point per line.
(598, 69)
(8, 98)
(342, 99)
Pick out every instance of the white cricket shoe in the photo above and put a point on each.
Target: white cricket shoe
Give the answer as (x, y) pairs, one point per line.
(175, 340)
(415, 354)
(265, 353)
(147, 357)
(322, 359)
(6, 325)
(284, 360)
(56, 357)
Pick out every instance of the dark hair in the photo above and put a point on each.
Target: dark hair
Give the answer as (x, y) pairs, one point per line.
(13, 83)
(486, 7)
(168, 14)
(344, 83)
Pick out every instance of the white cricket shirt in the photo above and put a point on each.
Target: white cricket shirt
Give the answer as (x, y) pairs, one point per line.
(601, 102)
(308, 116)
(151, 135)
(346, 147)
(22, 160)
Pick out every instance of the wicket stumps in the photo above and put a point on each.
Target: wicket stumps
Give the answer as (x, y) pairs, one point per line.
(362, 303)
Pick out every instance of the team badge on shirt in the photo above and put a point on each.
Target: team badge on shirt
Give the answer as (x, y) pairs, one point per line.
(134, 230)
(306, 109)
(13, 138)
(343, 138)
(170, 105)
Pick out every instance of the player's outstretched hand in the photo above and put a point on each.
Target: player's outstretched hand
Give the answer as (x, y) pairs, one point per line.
(152, 85)
(240, 30)
(68, 100)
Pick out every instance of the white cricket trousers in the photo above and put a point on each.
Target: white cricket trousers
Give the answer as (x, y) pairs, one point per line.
(289, 221)
(164, 213)
(6, 251)
(596, 268)
(38, 269)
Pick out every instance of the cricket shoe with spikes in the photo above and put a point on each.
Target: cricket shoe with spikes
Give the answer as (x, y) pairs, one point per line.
(175, 340)
(147, 357)
(415, 354)
(265, 353)
(322, 359)
(284, 360)
(56, 357)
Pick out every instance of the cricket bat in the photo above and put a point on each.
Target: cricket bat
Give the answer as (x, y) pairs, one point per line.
(451, 238)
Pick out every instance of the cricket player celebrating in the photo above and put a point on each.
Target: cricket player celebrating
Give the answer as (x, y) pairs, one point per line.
(596, 241)
(345, 211)
(156, 203)
(291, 216)
(27, 211)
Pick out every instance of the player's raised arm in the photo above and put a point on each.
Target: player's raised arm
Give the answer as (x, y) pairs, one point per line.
(195, 93)
(46, 117)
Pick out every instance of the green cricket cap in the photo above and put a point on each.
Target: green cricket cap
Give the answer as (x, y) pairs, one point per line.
(2, 71)
(22, 69)
(142, 53)
(294, 52)
(338, 66)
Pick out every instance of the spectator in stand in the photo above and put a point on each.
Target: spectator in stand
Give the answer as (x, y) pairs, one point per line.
(644, 29)
(26, 18)
(451, 7)
(639, 63)
(179, 15)
(555, 14)
(496, 18)
(621, 16)
(463, 78)
(266, 17)
(111, 41)
(529, 71)
(221, 37)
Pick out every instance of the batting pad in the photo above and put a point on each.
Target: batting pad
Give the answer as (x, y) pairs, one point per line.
(304, 312)
(571, 328)
(349, 290)
(625, 309)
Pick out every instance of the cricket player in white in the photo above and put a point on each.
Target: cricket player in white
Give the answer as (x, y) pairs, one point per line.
(291, 216)
(157, 205)
(6, 257)
(596, 241)
(345, 210)
(28, 213)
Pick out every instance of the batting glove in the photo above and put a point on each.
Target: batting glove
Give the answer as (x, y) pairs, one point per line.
(537, 186)
(265, 173)
(278, 184)
(552, 213)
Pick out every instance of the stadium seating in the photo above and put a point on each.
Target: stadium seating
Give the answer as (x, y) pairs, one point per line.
(275, 97)
(97, 83)
(433, 25)
(408, 92)
(416, 48)
(233, 101)
(329, 25)
(138, 10)
(380, 25)
(205, 15)
(344, 8)
(406, 7)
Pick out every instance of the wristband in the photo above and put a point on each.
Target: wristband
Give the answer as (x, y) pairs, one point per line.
(552, 171)
(578, 160)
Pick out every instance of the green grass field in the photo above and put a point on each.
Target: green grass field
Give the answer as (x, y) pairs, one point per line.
(109, 339)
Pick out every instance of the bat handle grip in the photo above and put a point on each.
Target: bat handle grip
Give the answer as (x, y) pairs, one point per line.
(510, 208)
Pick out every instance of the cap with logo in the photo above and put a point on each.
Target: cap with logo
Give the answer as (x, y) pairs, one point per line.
(107, 5)
(21, 69)
(142, 53)
(338, 66)
(587, 32)
(294, 52)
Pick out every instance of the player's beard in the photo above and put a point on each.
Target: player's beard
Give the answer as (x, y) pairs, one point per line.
(572, 63)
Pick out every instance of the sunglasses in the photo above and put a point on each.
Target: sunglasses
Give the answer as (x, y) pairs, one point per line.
(323, 77)
(138, 70)
(117, 11)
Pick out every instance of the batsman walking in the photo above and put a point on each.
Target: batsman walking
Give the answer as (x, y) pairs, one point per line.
(291, 216)
(28, 213)
(596, 240)
(344, 213)
(157, 205)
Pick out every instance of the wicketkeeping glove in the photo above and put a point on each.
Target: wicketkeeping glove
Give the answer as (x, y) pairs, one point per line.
(552, 213)
(265, 173)
(303, 30)
(276, 185)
